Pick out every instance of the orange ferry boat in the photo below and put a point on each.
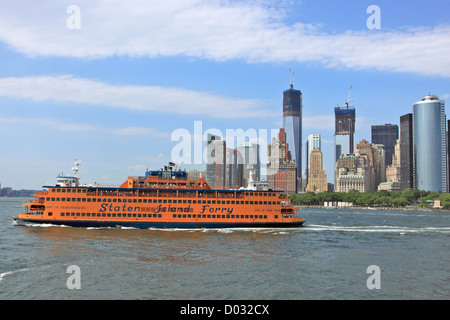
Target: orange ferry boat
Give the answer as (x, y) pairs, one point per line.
(160, 199)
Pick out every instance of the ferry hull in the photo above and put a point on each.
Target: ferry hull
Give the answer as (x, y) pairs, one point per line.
(163, 225)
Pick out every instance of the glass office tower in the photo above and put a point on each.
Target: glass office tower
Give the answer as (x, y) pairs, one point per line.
(386, 135)
(406, 152)
(292, 124)
(429, 156)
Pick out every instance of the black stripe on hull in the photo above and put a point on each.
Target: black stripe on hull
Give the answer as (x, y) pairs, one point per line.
(154, 224)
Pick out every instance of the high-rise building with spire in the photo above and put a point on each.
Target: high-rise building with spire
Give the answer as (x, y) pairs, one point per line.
(292, 124)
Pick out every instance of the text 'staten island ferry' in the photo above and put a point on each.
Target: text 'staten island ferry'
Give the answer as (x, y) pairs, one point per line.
(160, 199)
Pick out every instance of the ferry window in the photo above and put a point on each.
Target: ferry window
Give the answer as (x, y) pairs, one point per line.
(251, 202)
(134, 215)
(139, 215)
(145, 200)
(204, 216)
(251, 216)
(58, 190)
(213, 216)
(159, 215)
(134, 201)
(53, 190)
(114, 215)
(83, 214)
(204, 201)
(208, 216)
(246, 216)
(63, 190)
(276, 217)
(84, 191)
(103, 214)
(265, 202)
(159, 201)
(190, 201)
(83, 199)
(174, 216)
(53, 199)
(232, 202)
(165, 201)
(170, 201)
(50, 214)
(78, 199)
(179, 215)
(246, 202)
(209, 202)
(47, 199)
(89, 200)
(119, 215)
(88, 214)
(223, 216)
(184, 216)
(228, 201)
(232, 216)
(62, 214)
(79, 190)
(214, 202)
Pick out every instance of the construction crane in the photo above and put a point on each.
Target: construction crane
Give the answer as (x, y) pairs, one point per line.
(348, 97)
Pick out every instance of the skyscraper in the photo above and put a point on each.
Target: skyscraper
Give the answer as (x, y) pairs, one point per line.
(313, 142)
(429, 156)
(406, 152)
(250, 158)
(215, 161)
(386, 135)
(281, 171)
(344, 133)
(317, 180)
(292, 124)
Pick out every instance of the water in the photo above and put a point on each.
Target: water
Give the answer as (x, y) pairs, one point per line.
(326, 259)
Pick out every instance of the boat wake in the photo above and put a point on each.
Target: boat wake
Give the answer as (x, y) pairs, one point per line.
(379, 229)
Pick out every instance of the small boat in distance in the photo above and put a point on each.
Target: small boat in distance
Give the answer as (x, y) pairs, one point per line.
(164, 198)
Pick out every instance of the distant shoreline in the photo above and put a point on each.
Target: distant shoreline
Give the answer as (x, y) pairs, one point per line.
(378, 208)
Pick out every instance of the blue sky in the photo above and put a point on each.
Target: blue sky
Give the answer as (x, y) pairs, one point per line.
(114, 90)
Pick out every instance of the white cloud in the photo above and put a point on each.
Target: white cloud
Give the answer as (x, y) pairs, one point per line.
(66, 88)
(253, 31)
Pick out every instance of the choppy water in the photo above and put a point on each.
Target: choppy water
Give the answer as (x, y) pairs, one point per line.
(326, 259)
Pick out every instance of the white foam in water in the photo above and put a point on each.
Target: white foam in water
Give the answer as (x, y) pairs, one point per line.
(2, 275)
(384, 229)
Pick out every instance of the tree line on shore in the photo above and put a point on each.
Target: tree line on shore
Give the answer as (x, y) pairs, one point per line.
(382, 198)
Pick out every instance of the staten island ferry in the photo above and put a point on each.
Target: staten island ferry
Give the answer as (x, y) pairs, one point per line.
(164, 198)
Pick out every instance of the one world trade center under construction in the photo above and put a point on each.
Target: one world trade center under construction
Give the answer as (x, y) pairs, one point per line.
(292, 124)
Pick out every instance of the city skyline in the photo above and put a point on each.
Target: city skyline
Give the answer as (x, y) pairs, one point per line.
(113, 90)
